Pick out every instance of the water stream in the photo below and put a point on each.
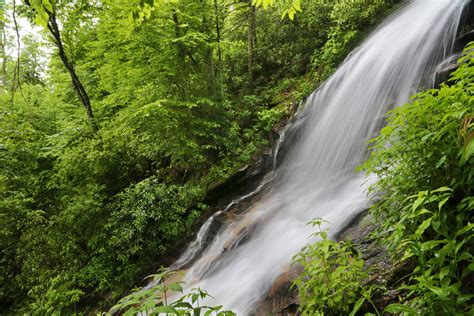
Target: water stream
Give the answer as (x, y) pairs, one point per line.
(317, 177)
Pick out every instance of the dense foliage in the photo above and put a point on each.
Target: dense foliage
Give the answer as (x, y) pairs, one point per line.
(427, 184)
(424, 159)
(181, 94)
(166, 296)
(332, 277)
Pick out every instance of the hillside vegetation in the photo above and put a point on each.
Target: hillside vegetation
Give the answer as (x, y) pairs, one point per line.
(111, 137)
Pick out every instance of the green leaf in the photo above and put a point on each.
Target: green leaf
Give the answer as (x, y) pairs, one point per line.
(399, 308)
(182, 304)
(357, 306)
(176, 287)
(418, 202)
(440, 162)
(47, 5)
(443, 189)
(291, 14)
(421, 229)
(165, 309)
(470, 267)
(297, 5)
(438, 291)
(443, 273)
(428, 245)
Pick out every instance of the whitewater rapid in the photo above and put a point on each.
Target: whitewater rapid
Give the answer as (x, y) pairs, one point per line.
(317, 178)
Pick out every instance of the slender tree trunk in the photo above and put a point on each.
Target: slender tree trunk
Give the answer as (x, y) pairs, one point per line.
(77, 84)
(251, 39)
(16, 71)
(209, 58)
(218, 31)
(4, 56)
(3, 45)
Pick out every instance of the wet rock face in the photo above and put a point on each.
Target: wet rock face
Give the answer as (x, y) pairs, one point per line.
(245, 180)
(465, 38)
(468, 15)
(446, 69)
(466, 35)
(282, 299)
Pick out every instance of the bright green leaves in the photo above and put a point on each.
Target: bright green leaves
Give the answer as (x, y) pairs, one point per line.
(292, 10)
(467, 133)
(290, 7)
(137, 11)
(2, 11)
(264, 3)
(429, 159)
(143, 11)
(42, 10)
(332, 276)
(400, 309)
(161, 298)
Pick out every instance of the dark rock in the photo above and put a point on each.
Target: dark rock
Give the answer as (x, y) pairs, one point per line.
(464, 38)
(354, 229)
(244, 180)
(290, 137)
(445, 69)
(467, 19)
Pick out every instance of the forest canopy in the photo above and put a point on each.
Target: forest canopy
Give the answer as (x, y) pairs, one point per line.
(118, 116)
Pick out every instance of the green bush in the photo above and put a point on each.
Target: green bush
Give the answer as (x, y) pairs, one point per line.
(332, 277)
(424, 159)
(161, 298)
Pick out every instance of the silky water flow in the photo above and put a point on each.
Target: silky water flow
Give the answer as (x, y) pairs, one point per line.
(317, 178)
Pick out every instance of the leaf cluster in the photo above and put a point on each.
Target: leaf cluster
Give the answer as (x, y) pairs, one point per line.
(332, 277)
(424, 161)
(161, 299)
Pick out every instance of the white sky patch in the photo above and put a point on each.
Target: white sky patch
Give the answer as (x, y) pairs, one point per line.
(25, 29)
(24, 26)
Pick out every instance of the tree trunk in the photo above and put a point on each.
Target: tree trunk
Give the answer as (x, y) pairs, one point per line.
(77, 84)
(4, 56)
(251, 39)
(218, 31)
(210, 69)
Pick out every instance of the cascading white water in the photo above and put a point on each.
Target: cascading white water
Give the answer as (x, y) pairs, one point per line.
(317, 177)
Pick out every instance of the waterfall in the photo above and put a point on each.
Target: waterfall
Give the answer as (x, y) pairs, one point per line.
(317, 177)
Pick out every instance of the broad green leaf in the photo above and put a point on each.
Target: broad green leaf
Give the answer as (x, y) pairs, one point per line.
(176, 287)
(428, 245)
(444, 272)
(291, 14)
(357, 306)
(438, 291)
(418, 202)
(443, 189)
(297, 5)
(164, 309)
(421, 229)
(470, 267)
(440, 162)
(399, 308)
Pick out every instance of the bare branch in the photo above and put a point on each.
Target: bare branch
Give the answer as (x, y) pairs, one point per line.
(16, 71)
